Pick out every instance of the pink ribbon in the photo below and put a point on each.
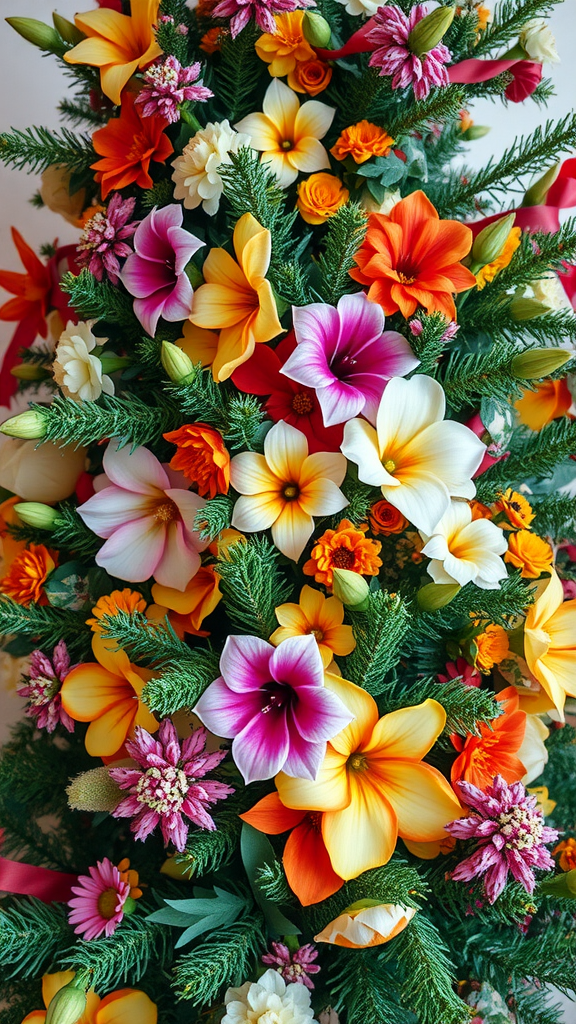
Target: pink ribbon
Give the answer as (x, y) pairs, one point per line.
(29, 880)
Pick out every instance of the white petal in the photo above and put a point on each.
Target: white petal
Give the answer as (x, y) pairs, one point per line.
(360, 445)
(406, 408)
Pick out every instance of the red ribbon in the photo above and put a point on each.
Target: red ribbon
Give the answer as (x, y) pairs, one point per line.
(29, 880)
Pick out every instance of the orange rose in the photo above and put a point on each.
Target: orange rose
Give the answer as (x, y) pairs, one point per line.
(320, 197)
(202, 456)
(529, 553)
(362, 141)
(311, 76)
(28, 574)
(386, 519)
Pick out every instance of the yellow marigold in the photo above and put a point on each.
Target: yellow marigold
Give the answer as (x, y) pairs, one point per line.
(492, 647)
(287, 46)
(518, 511)
(320, 196)
(362, 141)
(344, 548)
(530, 553)
(566, 853)
(488, 273)
(28, 573)
(126, 600)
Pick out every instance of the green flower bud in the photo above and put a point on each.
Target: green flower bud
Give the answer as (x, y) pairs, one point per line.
(537, 192)
(94, 791)
(561, 885)
(536, 363)
(33, 513)
(177, 364)
(29, 371)
(350, 588)
(111, 362)
(475, 131)
(39, 34)
(434, 596)
(430, 30)
(67, 1006)
(316, 30)
(527, 309)
(489, 242)
(31, 426)
(67, 30)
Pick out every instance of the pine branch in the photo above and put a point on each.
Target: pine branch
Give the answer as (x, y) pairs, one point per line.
(396, 882)
(207, 852)
(129, 420)
(364, 989)
(550, 957)
(161, 194)
(226, 960)
(442, 105)
(509, 17)
(80, 112)
(31, 933)
(99, 300)
(536, 453)
(380, 632)
(252, 585)
(555, 517)
(44, 626)
(37, 148)
(181, 686)
(214, 517)
(147, 641)
(344, 236)
(466, 378)
(238, 74)
(123, 957)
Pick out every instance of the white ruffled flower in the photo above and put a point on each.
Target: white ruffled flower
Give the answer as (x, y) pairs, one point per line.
(196, 171)
(77, 372)
(358, 7)
(464, 551)
(537, 39)
(549, 291)
(268, 1001)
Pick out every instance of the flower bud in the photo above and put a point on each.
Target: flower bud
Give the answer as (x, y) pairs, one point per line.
(489, 242)
(536, 363)
(527, 309)
(29, 371)
(434, 596)
(475, 131)
(316, 30)
(111, 363)
(94, 791)
(350, 588)
(67, 30)
(31, 426)
(561, 885)
(33, 513)
(67, 1005)
(429, 31)
(177, 364)
(536, 194)
(39, 34)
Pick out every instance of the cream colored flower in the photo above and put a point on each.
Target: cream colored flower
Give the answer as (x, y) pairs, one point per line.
(549, 291)
(197, 170)
(538, 41)
(388, 203)
(361, 7)
(359, 927)
(464, 551)
(268, 1001)
(533, 753)
(46, 472)
(78, 373)
(56, 195)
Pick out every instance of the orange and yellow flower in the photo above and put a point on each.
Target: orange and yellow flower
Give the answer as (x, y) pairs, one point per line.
(310, 76)
(287, 46)
(566, 853)
(492, 647)
(188, 608)
(495, 750)
(126, 600)
(321, 616)
(320, 196)
(529, 553)
(550, 642)
(360, 927)
(128, 144)
(480, 511)
(550, 400)
(236, 299)
(212, 40)
(117, 43)
(347, 547)
(412, 258)
(202, 456)
(489, 271)
(125, 1006)
(518, 511)
(24, 582)
(386, 519)
(362, 141)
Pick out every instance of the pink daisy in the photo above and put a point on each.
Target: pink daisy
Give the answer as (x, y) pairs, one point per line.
(99, 903)
(393, 56)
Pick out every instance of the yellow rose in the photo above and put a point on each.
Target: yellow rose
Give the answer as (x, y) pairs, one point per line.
(320, 197)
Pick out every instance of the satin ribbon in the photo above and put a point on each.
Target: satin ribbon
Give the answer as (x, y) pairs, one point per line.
(28, 880)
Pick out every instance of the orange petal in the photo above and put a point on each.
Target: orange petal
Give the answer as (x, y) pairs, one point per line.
(106, 734)
(270, 815)
(307, 864)
(127, 1006)
(89, 690)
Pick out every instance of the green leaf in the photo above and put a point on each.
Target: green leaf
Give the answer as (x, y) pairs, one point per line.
(257, 853)
(67, 587)
(201, 914)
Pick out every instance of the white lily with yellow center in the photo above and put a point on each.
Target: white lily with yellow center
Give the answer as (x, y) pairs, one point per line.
(464, 550)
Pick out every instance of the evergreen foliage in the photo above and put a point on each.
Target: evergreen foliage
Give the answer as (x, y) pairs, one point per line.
(129, 420)
(380, 632)
(31, 934)
(253, 585)
(344, 236)
(43, 625)
(38, 148)
(201, 975)
(112, 961)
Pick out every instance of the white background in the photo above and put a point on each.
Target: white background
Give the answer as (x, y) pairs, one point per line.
(32, 85)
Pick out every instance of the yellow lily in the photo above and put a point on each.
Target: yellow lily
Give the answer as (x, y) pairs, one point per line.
(116, 43)
(550, 642)
(373, 786)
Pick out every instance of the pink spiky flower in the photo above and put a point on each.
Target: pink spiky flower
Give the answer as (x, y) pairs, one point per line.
(510, 833)
(99, 901)
(103, 243)
(296, 967)
(166, 85)
(241, 11)
(169, 784)
(394, 57)
(42, 688)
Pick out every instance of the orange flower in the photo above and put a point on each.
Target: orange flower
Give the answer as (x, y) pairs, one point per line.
(516, 508)
(28, 573)
(566, 852)
(492, 647)
(488, 272)
(344, 548)
(127, 145)
(188, 608)
(466, 121)
(321, 616)
(311, 76)
(495, 750)
(411, 258)
(283, 49)
(320, 196)
(116, 43)
(128, 874)
(126, 600)
(530, 553)
(550, 400)
(211, 41)
(386, 519)
(29, 307)
(124, 1006)
(479, 511)
(202, 456)
(362, 141)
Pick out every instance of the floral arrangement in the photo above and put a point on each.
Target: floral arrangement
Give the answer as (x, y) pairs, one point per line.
(289, 555)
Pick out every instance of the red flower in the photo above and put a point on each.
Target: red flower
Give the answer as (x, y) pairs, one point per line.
(29, 307)
(290, 401)
(128, 144)
(527, 75)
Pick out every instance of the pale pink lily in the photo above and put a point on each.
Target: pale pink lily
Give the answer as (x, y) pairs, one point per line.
(346, 356)
(148, 523)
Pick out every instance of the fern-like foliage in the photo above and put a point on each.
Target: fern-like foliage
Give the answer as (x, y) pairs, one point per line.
(38, 148)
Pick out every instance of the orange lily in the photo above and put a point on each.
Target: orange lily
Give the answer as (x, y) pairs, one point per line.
(106, 693)
(125, 1006)
(116, 43)
(550, 400)
(29, 307)
(496, 750)
(550, 642)
(373, 785)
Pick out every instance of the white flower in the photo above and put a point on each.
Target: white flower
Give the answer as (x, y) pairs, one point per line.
(533, 752)
(388, 203)
(464, 551)
(45, 472)
(268, 1001)
(537, 39)
(549, 291)
(357, 7)
(78, 373)
(196, 171)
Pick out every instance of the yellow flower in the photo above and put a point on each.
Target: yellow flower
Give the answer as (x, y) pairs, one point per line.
(550, 642)
(319, 615)
(492, 647)
(530, 553)
(320, 196)
(545, 804)
(373, 785)
(288, 134)
(287, 46)
(124, 1006)
(359, 927)
(488, 273)
(236, 299)
(517, 510)
(116, 43)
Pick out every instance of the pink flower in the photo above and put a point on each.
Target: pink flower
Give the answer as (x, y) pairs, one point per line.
(276, 703)
(155, 272)
(296, 967)
(98, 906)
(166, 85)
(345, 355)
(460, 669)
(394, 57)
(510, 833)
(165, 788)
(148, 524)
(263, 11)
(42, 689)
(103, 242)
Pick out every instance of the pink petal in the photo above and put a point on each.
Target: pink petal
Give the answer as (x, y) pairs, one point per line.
(184, 245)
(224, 712)
(143, 277)
(133, 551)
(188, 504)
(179, 561)
(245, 663)
(112, 508)
(135, 470)
(297, 662)
(360, 318)
(340, 403)
(319, 714)
(262, 747)
(148, 311)
(179, 301)
(304, 759)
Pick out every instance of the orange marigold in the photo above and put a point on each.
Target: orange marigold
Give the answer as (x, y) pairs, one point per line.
(566, 853)
(362, 141)
(386, 519)
(126, 600)
(517, 510)
(202, 456)
(212, 40)
(28, 574)
(530, 553)
(488, 273)
(344, 548)
(491, 647)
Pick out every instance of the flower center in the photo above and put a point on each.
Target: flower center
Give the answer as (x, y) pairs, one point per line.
(276, 697)
(405, 278)
(268, 1017)
(107, 903)
(314, 819)
(343, 558)
(42, 690)
(343, 366)
(520, 828)
(358, 763)
(166, 511)
(389, 465)
(317, 634)
(302, 403)
(291, 492)
(515, 506)
(287, 144)
(162, 789)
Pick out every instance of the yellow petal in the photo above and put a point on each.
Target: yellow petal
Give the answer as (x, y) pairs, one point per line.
(127, 1006)
(328, 791)
(235, 346)
(251, 474)
(281, 106)
(356, 735)
(313, 120)
(114, 77)
(312, 603)
(253, 247)
(422, 799)
(36, 1017)
(217, 305)
(561, 627)
(106, 734)
(257, 512)
(220, 268)
(285, 449)
(362, 835)
(89, 690)
(199, 344)
(95, 51)
(144, 16)
(409, 732)
(264, 324)
(293, 616)
(52, 983)
(110, 655)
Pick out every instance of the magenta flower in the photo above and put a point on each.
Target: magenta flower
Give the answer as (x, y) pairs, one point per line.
(296, 967)
(276, 703)
(263, 11)
(98, 906)
(169, 784)
(346, 356)
(148, 523)
(166, 85)
(103, 242)
(394, 57)
(511, 835)
(416, 327)
(155, 272)
(42, 689)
